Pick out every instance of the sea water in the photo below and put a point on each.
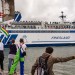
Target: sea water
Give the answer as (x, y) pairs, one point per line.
(67, 68)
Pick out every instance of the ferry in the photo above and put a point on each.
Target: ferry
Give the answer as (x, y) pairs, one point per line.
(39, 34)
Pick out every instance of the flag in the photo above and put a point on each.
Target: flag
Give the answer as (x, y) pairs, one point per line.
(4, 31)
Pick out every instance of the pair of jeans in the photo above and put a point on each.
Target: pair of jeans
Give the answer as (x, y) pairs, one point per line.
(1, 65)
(1, 60)
(10, 64)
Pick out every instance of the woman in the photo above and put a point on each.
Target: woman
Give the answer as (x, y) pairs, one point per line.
(12, 53)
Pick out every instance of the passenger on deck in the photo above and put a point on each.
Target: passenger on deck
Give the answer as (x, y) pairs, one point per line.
(50, 62)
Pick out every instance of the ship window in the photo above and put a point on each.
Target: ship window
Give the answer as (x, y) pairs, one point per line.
(24, 26)
(34, 27)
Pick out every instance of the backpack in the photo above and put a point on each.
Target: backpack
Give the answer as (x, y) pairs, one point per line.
(42, 66)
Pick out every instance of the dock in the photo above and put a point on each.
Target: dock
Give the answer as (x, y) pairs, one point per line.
(6, 73)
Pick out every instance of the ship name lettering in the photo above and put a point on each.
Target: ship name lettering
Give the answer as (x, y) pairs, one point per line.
(60, 37)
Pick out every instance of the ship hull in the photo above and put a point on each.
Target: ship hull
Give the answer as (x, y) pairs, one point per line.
(41, 37)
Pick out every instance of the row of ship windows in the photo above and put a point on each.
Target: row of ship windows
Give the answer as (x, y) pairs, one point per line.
(38, 31)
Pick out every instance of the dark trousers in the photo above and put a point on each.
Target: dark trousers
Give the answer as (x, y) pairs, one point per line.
(1, 60)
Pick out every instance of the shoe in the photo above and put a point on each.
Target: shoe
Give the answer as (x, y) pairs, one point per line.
(15, 73)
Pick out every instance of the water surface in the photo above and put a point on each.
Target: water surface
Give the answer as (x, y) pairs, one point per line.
(67, 68)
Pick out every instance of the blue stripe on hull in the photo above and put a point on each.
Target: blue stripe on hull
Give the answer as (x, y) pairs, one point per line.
(1, 37)
(45, 45)
(14, 36)
(41, 31)
(5, 39)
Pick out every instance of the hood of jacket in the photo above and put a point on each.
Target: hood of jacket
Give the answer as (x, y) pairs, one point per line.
(45, 55)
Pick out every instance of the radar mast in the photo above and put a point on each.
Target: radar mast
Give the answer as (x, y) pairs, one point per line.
(62, 16)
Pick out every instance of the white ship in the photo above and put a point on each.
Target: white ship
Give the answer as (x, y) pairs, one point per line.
(36, 33)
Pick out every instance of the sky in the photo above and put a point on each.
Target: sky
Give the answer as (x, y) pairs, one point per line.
(45, 10)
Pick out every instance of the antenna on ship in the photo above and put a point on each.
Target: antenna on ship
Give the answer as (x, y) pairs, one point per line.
(62, 16)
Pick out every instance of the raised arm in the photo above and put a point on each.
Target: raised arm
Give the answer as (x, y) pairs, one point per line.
(56, 60)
